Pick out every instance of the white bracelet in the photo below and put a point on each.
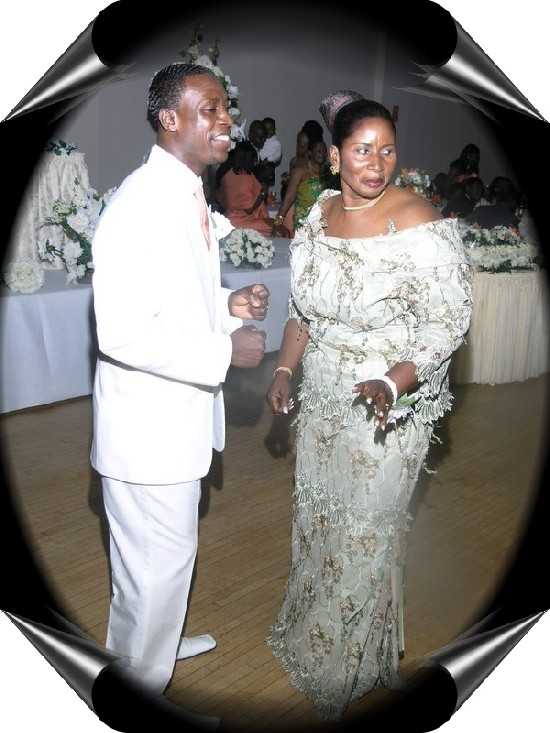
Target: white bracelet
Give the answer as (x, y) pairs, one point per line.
(392, 385)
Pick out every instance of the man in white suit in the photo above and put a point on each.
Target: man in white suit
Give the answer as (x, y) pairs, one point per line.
(167, 333)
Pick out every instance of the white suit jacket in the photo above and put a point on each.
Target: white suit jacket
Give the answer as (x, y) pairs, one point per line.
(163, 329)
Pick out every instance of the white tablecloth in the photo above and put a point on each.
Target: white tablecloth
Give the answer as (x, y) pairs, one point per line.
(47, 343)
(508, 340)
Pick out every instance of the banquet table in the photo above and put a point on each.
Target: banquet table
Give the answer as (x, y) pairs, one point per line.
(47, 338)
(508, 339)
(48, 347)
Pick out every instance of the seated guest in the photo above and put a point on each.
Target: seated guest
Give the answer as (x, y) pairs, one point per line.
(300, 157)
(438, 189)
(257, 135)
(310, 128)
(464, 167)
(504, 199)
(272, 150)
(463, 197)
(304, 186)
(239, 192)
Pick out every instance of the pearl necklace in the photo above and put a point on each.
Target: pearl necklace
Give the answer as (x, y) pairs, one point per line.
(365, 206)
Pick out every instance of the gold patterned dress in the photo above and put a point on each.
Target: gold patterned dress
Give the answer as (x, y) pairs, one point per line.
(403, 296)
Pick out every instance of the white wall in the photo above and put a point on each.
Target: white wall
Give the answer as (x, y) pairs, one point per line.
(283, 70)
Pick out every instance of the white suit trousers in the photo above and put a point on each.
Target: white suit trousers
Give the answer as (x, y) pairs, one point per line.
(153, 534)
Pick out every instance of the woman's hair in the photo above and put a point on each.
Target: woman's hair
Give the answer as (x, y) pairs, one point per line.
(333, 102)
(500, 188)
(351, 114)
(244, 157)
(468, 160)
(313, 130)
(167, 87)
(469, 150)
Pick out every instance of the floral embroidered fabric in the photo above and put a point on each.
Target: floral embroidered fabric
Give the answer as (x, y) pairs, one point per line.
(370, 303)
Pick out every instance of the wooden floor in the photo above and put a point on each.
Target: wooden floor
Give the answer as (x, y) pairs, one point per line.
(469, 516)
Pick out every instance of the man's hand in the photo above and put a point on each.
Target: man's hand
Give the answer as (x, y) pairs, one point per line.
(248, 347)
(250, 302)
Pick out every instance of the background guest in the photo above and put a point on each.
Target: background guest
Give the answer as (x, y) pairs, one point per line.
(304, 186)
(463, 197)
(300, 157)
(257, 135)
(239, 192)
(313, 129)
(463, 167)
(310, 128)
(272, 150)
(504, 200)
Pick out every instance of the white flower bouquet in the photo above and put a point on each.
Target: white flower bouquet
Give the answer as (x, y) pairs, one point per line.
(415, 179)
(500, 249)
(24, 275)
(247, 248)
(78, 218)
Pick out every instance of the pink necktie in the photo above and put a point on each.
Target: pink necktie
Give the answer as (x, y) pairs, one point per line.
(203, 212)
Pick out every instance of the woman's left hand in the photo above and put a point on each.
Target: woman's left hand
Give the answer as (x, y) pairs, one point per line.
(250, 302)
(378, 392)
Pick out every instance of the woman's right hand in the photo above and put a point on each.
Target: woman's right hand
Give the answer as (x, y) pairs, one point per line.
(278, 396)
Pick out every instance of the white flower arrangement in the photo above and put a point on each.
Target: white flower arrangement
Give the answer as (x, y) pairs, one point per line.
(247, 248)
(60, 147)
(194, 56)
(78, 218)
(415, 179)
(24, 275)
(500, 249)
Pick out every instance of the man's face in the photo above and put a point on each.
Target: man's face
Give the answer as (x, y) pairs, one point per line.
(201, 124)
(257, 136)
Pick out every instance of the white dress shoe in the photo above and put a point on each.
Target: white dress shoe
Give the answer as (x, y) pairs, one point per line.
(190, 646)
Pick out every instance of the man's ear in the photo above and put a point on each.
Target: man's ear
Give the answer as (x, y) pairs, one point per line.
(167, 119)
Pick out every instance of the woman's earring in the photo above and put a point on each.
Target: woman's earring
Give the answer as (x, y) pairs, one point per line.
(335, 169)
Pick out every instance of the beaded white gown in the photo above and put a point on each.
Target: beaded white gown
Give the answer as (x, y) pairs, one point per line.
(370, 303)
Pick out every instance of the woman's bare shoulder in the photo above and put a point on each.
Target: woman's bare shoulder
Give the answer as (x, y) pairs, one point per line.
(411, 209)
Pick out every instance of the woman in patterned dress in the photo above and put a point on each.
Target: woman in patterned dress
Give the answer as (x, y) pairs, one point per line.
(380, 300)
(304, 186)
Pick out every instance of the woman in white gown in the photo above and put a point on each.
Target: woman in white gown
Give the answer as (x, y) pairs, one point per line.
(380, 300)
